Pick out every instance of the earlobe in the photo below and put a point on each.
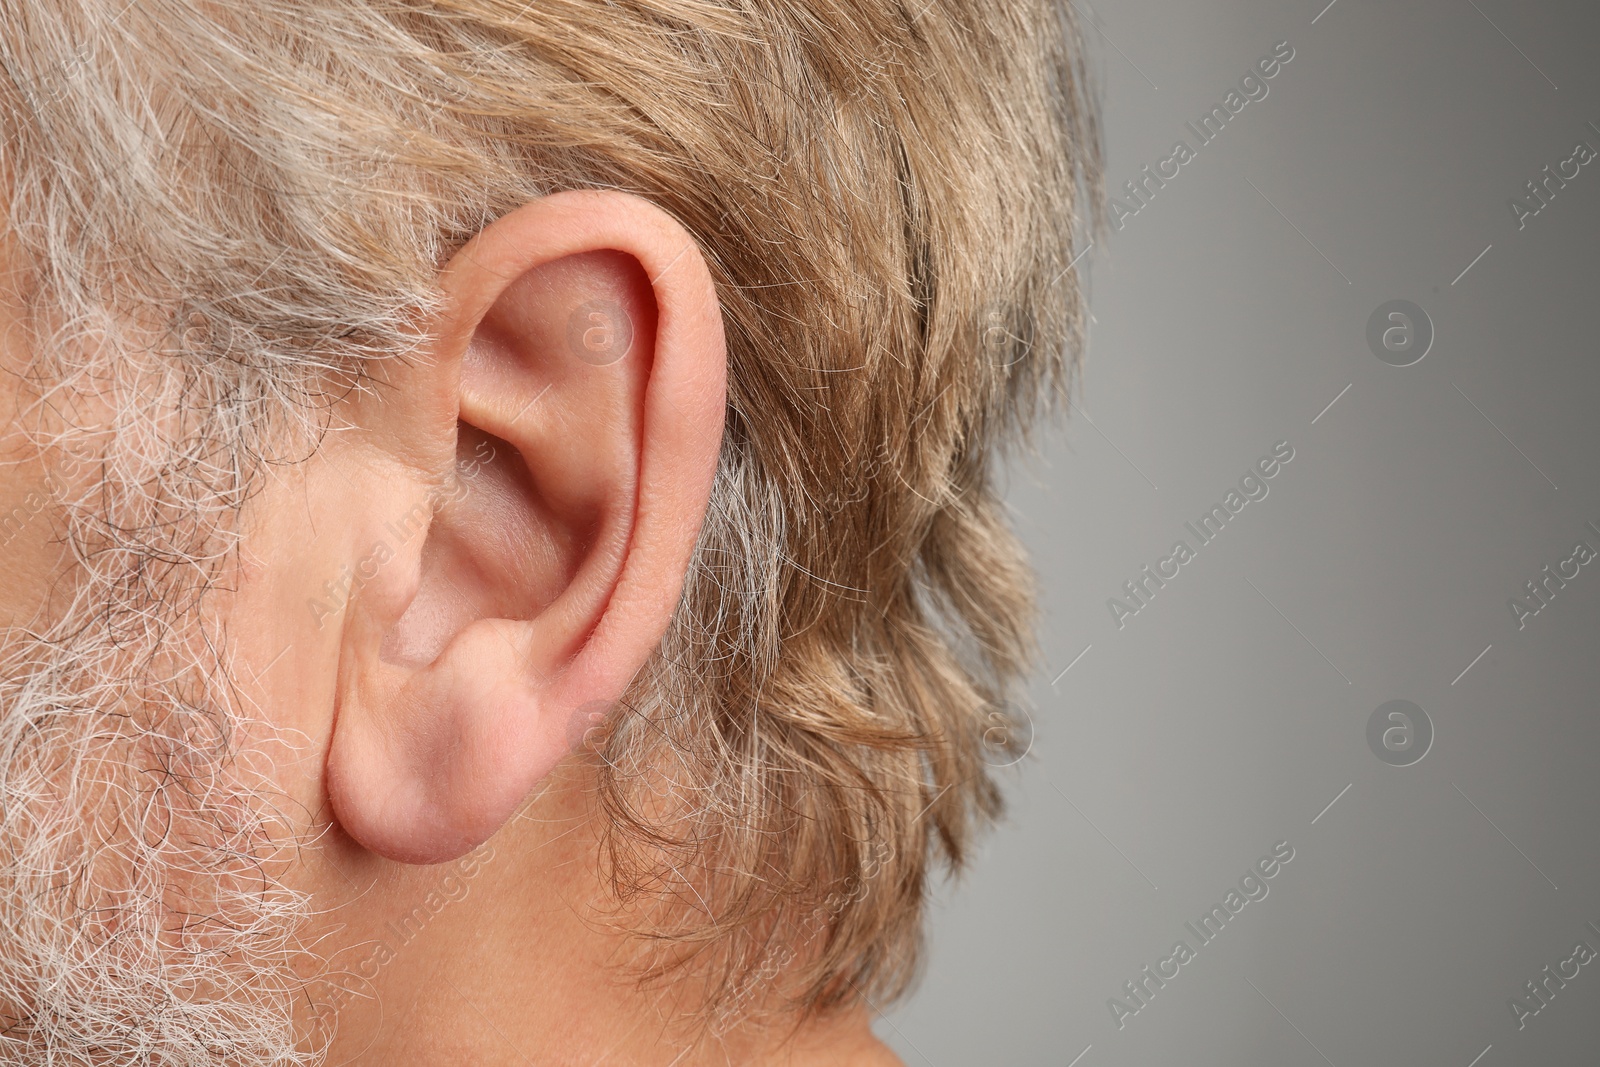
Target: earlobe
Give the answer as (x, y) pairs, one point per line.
(573, 407)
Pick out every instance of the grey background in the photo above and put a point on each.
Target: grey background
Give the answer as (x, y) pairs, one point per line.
(1226, 715)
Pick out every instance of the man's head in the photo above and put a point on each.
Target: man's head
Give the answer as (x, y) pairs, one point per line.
(418, 407)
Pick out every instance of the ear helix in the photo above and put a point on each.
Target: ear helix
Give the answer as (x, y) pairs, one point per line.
(590, 726)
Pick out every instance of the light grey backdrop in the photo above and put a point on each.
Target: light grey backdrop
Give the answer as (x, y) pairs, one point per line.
(1231, 712)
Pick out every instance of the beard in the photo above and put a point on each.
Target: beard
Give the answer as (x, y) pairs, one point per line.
(141, 916)
(143, 919)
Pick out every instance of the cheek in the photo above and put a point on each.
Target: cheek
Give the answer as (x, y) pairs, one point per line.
(31, 524)
(31, 519)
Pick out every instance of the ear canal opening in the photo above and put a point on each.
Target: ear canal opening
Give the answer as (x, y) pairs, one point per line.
(490, 498)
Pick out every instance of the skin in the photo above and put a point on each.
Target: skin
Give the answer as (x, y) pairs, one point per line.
(450, 820)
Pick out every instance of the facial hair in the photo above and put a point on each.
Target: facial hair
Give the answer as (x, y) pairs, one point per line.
(142, 919)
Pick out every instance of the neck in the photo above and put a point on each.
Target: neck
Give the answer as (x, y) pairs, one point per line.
(506, 957)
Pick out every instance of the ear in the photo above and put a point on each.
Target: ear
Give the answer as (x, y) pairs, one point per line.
(544, 476)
